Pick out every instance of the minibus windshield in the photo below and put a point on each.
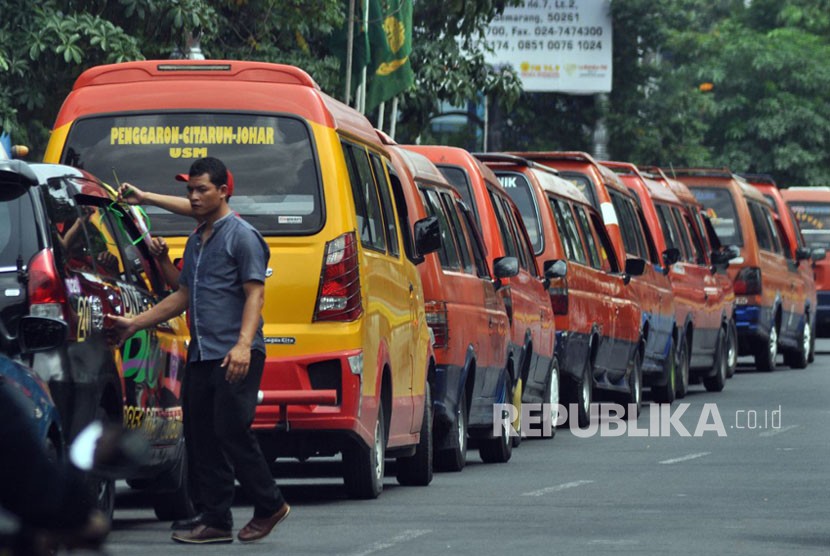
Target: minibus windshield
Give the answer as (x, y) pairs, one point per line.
(277, 185)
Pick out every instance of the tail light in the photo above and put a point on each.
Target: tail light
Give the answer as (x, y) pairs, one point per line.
(436, 315)
(748, 281)
(47, 297)
(338, 298)
(559, 299)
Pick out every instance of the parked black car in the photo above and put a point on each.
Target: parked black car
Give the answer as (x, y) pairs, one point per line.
(68, 252)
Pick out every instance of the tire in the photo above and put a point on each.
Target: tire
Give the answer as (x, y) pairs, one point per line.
(731, 349)
(635, 387)
(765, 354)
(363, 466)
(801, 357)
(716, 382)
(682, 370)
(516, 400)
(585, 394)
(416, 470)
(172, 505)
(552, 396)
(454, 459)
(812, 357)
(498, 449)
(665, 393)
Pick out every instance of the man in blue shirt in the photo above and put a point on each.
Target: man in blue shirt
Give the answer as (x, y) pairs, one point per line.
(222, 286)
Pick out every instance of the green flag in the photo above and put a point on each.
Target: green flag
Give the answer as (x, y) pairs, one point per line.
(390, 41)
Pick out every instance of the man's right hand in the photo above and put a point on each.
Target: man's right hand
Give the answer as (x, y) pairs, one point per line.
(130, 194)
(118, 329)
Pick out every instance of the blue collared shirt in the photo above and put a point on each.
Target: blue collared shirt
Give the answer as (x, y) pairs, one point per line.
(215, 272)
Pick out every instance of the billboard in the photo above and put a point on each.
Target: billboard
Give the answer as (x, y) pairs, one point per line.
(559, 46)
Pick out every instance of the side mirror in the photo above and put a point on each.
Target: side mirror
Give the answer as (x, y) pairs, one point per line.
(554, 269)
(818, 254)
(427, 235)
(41, 333)
(670, 256)
(635, 267)
(505, 267)
(802, 254)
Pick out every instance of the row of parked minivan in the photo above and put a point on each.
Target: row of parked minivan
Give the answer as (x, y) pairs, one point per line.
(411, 288)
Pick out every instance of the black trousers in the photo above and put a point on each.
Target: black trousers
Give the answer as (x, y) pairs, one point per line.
(218, 417)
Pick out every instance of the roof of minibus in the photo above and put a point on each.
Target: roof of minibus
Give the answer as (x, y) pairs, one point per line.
(226, 85)
(547, 177)
(716, 177)
(455, 156)
(631, 176)
(807, 194)
(576, 158)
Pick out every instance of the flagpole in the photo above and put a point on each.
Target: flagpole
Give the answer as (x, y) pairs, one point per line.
(366, 27)
(394, 118)
(349, 46)
(382, 109)
(486, 123)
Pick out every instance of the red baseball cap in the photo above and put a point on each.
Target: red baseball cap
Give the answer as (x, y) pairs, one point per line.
(186, 177)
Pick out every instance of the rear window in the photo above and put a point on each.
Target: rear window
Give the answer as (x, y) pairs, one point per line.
(814, 221)
(18, 234)
(720, 207)
(519, 190)
(276, 178)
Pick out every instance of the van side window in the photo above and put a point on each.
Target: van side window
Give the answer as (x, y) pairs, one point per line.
(670, 232)
(451, 208)
(632, 233)
(697, 245)
(448, 253)
(479, 252)
(566, 225)
(367, 203)
(590, 241)
(386, 204)
(776, 236)
(519, 189)
(459, 179)
(403, 216)
(507, 239)
(688, 254)
(762, 230)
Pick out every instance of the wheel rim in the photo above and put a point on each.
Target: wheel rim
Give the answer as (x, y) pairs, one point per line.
(807, 337)
(773, 344)
(553, 398)
(378, 453)
(461, 432)
(732, 351)
(637, 391)
(586, 389)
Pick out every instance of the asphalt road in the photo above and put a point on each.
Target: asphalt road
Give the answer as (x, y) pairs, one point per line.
(754, 480)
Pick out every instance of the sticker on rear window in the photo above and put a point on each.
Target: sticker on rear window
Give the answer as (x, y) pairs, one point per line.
(289, 219)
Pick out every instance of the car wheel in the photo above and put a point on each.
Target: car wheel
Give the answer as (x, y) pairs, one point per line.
(516, 400)
(585, 394)
(765, 354)
(499, 449)
(800, 358)
(552, 397)
(416, 470)
(454, 459)
(732, 349)
(682, 369)
(363, 466)
(812, 357)
(716, 382)
(634, 399)
(665, 393)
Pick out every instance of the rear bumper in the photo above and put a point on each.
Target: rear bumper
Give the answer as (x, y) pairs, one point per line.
(753, 324)
(823, 312)
(316, 394)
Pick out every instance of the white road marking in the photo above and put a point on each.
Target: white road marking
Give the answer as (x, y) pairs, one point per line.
(773, 432)
(557, 488)
(684, 458)
(407, 535)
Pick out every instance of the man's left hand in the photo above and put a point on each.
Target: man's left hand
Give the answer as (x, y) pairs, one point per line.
(237, 361)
